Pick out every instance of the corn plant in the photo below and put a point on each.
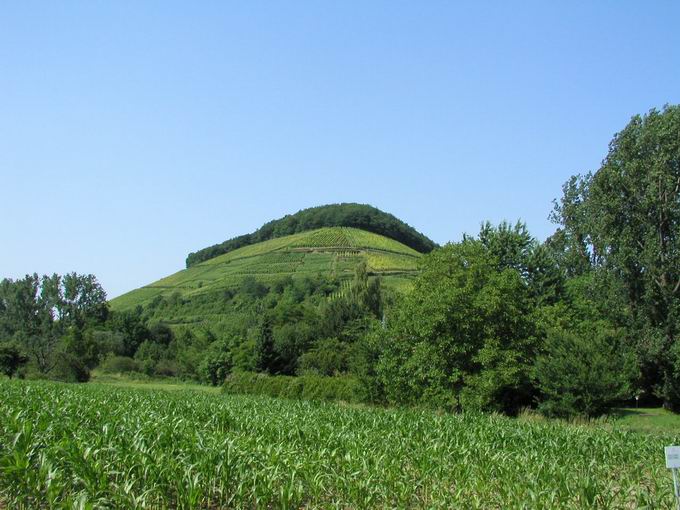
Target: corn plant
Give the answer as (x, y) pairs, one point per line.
(96, 446)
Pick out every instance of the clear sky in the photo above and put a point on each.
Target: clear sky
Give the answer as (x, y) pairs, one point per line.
(132, 133)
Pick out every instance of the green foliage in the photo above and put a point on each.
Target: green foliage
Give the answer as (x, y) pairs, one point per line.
(119, 365)
(328, 357)
(624, 221)
(266, 359)
(306, 387)
(267, 330)
(511, 245)
(513, 248)
(188, 350)
(69, 367)
(99, 446)
(131, 326)
(161, 334)
(149, 355)
(108, 342)
(167, 367)
(254, 270)
(216, 364)
(47, 318)
(464, 337)
(571, 243)
(671, 389)
(359, 216)
(81, 300)
(11, 359)
(252, 288)
(81, 345)
(581, 375)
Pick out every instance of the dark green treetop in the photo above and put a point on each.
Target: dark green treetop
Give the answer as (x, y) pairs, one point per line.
(360, 216)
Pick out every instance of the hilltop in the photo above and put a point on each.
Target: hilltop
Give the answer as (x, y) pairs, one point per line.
(332, 252)
(361, 216)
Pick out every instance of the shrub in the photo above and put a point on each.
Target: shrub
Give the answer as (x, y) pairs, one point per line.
(119, 365)
(11, 359)
(306, 387)
(252, 288)
(109, 342)
(161, 334)
(580, 375)
(70, 368)
(166, 368)
(463, 338)
(328, 357)
(148, 355)
(216, 364)
(671, 388)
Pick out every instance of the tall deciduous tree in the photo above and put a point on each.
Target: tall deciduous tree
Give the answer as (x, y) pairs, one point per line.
(37, 312)
(626, 218)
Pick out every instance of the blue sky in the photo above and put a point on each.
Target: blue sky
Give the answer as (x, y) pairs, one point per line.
(132, 133)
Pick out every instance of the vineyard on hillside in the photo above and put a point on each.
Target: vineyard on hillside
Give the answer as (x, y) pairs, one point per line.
(333, 251)
(355, 216)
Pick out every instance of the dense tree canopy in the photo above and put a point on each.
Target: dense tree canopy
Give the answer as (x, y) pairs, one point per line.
(45, 318)
(465, 337)
(623, 222)
(360, 216)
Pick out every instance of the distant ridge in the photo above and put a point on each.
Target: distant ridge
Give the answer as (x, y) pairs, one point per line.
(362, 216)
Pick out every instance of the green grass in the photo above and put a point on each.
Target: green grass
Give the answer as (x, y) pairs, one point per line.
(98, 446)
(335, 250)
(650, 420)
(126, 381)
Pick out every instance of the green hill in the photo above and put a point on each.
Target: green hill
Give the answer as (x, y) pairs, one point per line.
(332, 252)
(361, 216)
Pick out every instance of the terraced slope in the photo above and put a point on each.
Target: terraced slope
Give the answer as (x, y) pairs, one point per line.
(333, 250)
(350, 215)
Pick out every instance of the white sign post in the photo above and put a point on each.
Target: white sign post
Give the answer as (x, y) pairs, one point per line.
(673, 463)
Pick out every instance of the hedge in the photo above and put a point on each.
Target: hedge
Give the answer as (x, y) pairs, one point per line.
(305, 387)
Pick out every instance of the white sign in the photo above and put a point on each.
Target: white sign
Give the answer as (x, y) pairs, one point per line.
(673, 457)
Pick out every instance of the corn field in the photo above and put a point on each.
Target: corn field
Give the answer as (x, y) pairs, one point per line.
(93, 446)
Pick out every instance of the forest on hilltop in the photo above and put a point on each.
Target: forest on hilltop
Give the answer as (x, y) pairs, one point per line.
(360, 216)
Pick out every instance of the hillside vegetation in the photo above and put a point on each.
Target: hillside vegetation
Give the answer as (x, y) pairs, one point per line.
(291, 305)
(331, 252)
(361, 216)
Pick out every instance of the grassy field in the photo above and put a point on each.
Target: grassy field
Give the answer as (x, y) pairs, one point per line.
(125, 381)
(335, 250)
(100, 446)
(648, 420)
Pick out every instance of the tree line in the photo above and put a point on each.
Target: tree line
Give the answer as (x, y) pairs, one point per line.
(42, 320)
(586, 319)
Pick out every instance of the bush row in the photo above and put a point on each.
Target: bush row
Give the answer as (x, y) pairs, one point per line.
(308, 387)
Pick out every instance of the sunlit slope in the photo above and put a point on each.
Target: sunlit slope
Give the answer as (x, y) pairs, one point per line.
(333, 251)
